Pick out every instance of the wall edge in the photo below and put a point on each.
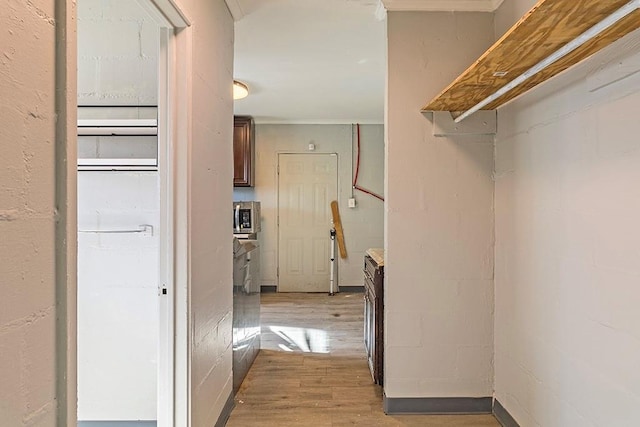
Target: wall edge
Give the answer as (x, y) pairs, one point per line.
(503, 416)
(226, 411)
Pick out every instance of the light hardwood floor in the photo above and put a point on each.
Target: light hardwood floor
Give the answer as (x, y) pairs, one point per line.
(312, 370)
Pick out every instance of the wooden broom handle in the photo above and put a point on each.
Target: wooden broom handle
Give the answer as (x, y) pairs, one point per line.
(337, 224)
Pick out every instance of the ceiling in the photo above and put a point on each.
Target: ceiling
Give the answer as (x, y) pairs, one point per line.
(318, 61)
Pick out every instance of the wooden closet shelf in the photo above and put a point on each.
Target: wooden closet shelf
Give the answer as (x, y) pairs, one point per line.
(548, 26)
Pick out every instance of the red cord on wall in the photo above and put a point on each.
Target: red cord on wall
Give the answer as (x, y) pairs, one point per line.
(355, 178)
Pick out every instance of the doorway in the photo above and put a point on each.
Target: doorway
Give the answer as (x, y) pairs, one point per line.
(125, 205)
(307, 183)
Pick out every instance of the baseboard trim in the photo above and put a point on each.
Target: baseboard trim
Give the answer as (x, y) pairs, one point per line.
(117, 423)
(226, 411)
(351, 289)
(437, 405)
(266, 289)
(503, 416)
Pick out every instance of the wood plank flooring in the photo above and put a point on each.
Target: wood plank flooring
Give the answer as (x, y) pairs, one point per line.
(312, 370)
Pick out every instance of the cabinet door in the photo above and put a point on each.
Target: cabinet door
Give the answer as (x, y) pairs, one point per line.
(369, 333)
(243, 151)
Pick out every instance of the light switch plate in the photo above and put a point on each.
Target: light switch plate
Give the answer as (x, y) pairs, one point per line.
(352, 202)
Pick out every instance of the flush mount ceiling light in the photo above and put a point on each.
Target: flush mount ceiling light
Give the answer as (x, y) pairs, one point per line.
(240, 90)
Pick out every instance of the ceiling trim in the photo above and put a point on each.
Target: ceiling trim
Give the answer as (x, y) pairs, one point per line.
(442, 5)
(174, 13)
(235, 9)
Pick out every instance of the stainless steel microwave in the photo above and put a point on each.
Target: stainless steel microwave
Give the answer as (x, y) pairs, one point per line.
(246, 217)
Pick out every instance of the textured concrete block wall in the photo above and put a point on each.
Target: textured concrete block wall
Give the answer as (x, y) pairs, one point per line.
(28, 170)
(117, 54)
(567, 325)
(32, 351)
(210, 195)
(439, 217)
(117, 65)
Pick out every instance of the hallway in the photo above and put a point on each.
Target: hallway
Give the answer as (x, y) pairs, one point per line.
(312, 370)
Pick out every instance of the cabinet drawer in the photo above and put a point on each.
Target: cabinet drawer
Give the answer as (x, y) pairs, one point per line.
(370, 267)
(369, 285)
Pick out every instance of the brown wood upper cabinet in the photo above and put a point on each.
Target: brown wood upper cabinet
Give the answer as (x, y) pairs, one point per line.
(243, 151)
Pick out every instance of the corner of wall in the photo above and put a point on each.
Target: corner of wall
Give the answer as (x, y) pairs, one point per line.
(66, 218)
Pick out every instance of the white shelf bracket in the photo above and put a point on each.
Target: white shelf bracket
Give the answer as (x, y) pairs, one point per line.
(482, 123)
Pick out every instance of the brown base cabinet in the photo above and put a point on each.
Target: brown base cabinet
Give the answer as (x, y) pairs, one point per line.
(373, 317)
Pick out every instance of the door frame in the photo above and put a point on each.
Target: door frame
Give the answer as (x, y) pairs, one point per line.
(333, 153)
(173, 398)
(176, 400)
(166, 304)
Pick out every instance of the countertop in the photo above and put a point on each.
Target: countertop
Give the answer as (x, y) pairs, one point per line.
(377, 254)
(243, 246)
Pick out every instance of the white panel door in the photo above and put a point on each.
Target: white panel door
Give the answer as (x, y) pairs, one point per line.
(307, 183)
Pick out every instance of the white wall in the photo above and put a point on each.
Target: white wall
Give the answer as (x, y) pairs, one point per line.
(118, 319)
(205, 53)
(117, 54)
(38, 367)
(36, 202)
(118, 323)
(363, 226)
(209, 75)
(567, 325)
(510, 13)
(439, 217)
